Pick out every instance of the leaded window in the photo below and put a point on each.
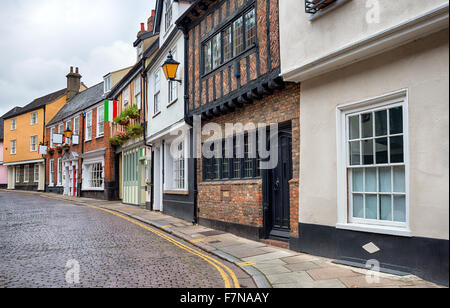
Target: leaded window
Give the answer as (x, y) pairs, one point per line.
(236, 38)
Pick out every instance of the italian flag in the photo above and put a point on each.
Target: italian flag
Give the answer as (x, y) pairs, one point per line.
(111, 111)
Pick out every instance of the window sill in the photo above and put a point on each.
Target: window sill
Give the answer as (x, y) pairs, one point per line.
(98, 137)
(92, 189)
(156, 114)
(177, 192)
(172, 103)
(405, 232)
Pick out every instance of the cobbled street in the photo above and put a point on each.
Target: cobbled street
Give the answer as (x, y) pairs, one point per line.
(38, 236)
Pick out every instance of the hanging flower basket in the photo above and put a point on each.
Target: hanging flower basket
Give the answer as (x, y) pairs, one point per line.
(115, 141)
(66, 147)
(59, 149)
(132, 112)
(50, 151)
(124, 121)
(136, 129)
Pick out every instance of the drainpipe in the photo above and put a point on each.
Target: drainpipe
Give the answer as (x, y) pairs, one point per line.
(45, 160)
(80, 168)
(188, 120)
(145, 102)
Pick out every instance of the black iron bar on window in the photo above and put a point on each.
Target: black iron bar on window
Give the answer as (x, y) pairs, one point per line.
(313, 6)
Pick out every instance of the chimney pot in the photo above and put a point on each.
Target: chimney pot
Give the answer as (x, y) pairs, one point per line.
(142, 26)
(71, 69)
(76, 70)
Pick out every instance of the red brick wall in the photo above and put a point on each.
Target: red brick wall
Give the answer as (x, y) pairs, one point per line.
(241, 201)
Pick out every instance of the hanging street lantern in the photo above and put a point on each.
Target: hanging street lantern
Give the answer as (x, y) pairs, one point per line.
(68, 133)
(170, 68)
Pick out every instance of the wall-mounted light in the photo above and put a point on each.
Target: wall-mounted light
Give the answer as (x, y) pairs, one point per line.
(68, 133)
(170, 68)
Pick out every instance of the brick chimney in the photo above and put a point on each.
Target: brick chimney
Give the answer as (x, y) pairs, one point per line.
(73, 83)
(151, 22)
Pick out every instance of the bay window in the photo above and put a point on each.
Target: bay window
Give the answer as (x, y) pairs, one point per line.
(93, 175)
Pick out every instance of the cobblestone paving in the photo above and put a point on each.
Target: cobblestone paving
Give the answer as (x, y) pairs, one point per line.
(38, 236)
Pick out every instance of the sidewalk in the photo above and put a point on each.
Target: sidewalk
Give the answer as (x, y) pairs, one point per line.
(269, 266)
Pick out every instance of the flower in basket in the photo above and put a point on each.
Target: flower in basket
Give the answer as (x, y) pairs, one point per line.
(59, 149)
(66, 147)
(115, 141)
(50, 151)
(132, 112)
(137, 130)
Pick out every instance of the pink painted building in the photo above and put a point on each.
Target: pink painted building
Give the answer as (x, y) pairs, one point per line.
(3, 169)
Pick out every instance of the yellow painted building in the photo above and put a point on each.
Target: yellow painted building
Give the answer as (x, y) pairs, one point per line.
(24, 131)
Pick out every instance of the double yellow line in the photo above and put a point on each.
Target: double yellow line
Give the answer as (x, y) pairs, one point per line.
(227, 274)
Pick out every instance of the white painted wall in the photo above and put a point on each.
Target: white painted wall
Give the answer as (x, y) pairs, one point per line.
(421, 67)
(170, 113)
(303, 40)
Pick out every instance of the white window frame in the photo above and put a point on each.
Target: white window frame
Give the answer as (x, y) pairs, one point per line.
(168, 12)
(171, 168)
(52, 132)
(87, 174)
(36, 175)
(157, 95)
(172, 86)
(76, 126)
(390, 100)
(59, 172)
(13, 124)
(107, 84)
(34, 118)
(13, 147)
(26, 173)
(33, 143)
(17, 175)
(100, 122)
(51, 172)
(126, 98)
(137, 92)
(88, 125)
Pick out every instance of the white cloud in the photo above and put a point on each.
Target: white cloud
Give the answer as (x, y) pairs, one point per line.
(40, 40)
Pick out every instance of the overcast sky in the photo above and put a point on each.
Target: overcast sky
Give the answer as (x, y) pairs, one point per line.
(41, 39)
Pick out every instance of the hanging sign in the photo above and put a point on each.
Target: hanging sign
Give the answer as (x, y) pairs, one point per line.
(42, 150)
(58, 138)
(75, 139)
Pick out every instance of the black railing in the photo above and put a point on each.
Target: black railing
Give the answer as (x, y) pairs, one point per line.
(313, 6)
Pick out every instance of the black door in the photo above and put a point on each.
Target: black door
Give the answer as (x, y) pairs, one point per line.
(280, 197)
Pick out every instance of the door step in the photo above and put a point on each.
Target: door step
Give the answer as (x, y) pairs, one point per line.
(276, 243)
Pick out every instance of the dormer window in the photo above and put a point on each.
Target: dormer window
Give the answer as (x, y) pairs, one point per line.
(107, 84)
(168, 14)
(140, 51)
